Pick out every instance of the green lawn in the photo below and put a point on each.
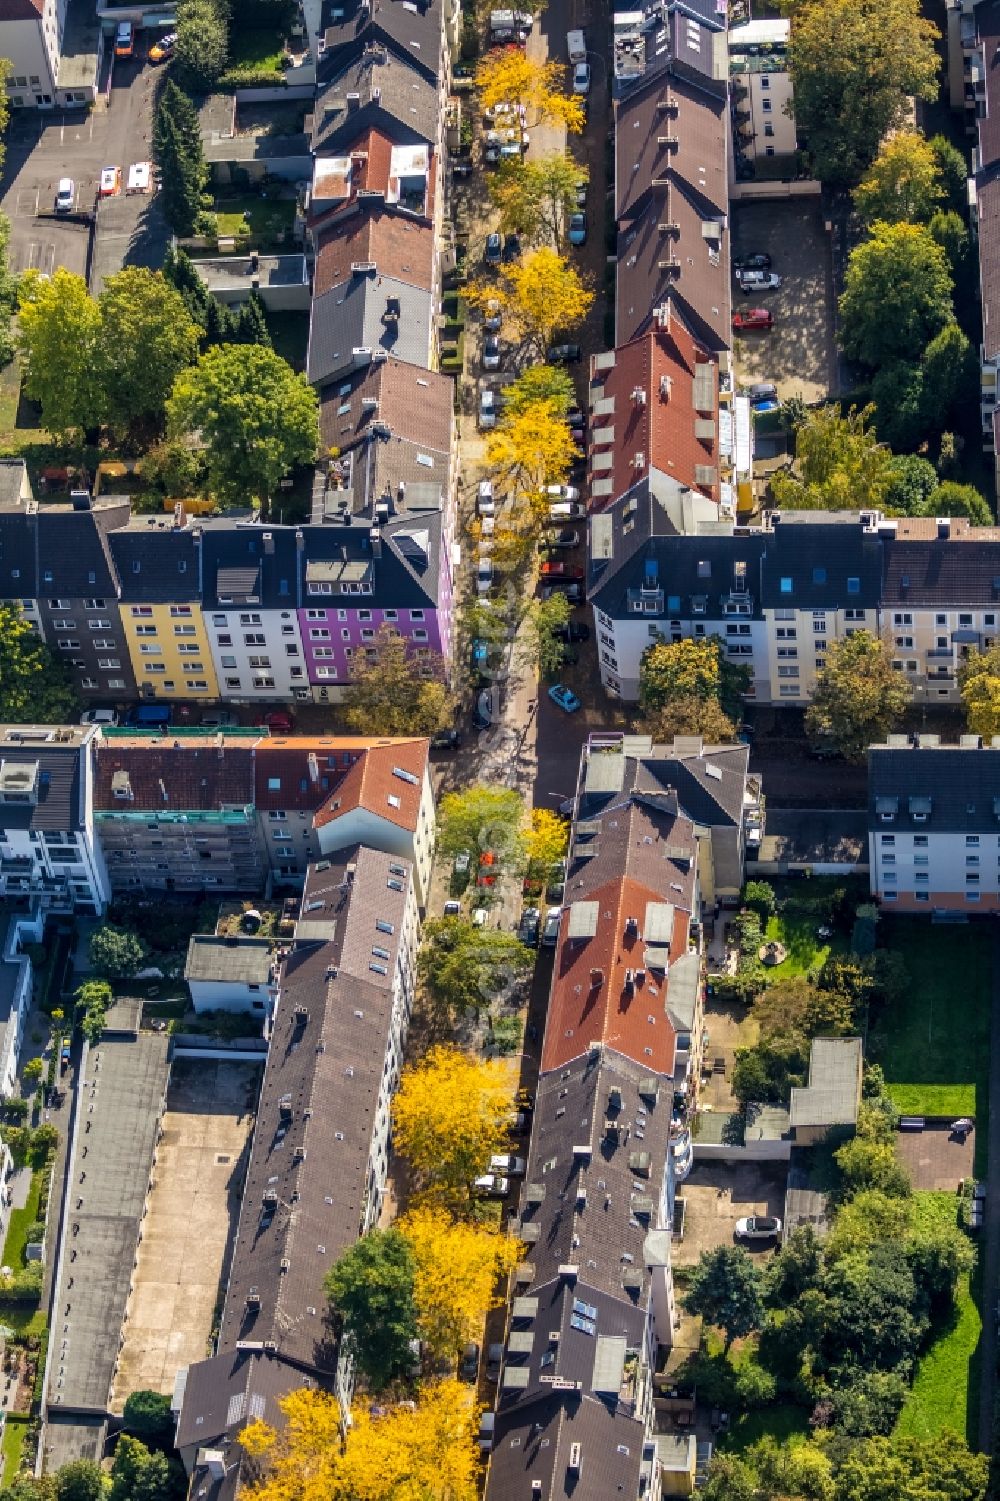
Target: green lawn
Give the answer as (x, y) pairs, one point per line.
(255, 220)
(258, 49)
(934, 1045)
(945, 1392)
(780, 1421)
(14, 1433)
(806, 951)
(20, 1220)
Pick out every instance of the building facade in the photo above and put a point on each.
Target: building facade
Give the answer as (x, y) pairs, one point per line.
(54, 50)
(49, 853)
(761, 97)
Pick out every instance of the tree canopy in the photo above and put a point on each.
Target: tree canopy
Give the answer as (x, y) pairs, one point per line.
(449, 1116)
(481, 818)
(725, 1290)
(202, 42)
(692, 670)
(466, 968)
(116, 952)
(547, 839)
(839, 463)
(461, 1272)
(530, 448)
(903, 182)
(255, 416)
(979, 682)
(59, 338)
(35, 687)
(146, 338)
(536, 198)
(897, 295)
(547, 383)
(370, 1289)
(854, 64)
(858, 697)
(538, 295)
(394, 693)
(507, 75)
(178, 153)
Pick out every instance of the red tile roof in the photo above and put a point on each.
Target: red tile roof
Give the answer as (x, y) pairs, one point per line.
(396, 245)
(331, 775)
(375, 784)
(660, 426)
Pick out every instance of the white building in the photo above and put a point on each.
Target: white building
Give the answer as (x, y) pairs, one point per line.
(760, 89)
(249, 597)
(47, 842)
(231, 974)
(54, 52)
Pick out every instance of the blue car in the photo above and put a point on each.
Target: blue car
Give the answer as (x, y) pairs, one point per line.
(765, 406)
(561, 695)
(577, 229)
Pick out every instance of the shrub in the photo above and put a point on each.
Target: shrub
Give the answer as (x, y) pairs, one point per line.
(759, 897)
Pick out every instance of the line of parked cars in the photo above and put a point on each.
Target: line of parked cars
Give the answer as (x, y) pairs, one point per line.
(752, 273)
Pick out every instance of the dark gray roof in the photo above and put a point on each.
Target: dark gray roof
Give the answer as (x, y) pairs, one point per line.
(18, 554)
(941, 789)
(350, 316)
(231, 959)
(706, 798)
(393, 96)
(249, 560)
(803, 568)
(697, 290)
(57, 781)
(942, 573)
(410, 28)
(814, 836)
(533, 1442)
(229, 1390)
(74, 557)
(317, 1111)
(406, 576)
(157, 562)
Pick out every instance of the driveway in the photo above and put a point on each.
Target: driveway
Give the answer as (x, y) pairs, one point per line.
(42, 148)
(799, 354)
(716, 1195)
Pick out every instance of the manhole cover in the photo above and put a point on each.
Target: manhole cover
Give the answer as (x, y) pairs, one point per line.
(221, 1160)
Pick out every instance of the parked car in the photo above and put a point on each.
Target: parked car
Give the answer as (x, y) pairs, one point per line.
(763, 390)
(506, 1162)
(491, 254)
(757, 1227)
(489, 406)
(110, 184)
(468, 1366)
(581, 78)
(484, 575)
(278, 721)
(487, 705)
(577, 233)
(491, 352)
(566, 537)
(485, 503)
(480, 917)
(753, 318)
(574, 630)
(65, 195)
(550, 932)
(564, 354)
(529, 926)
(463, 168)
(564, 698)
(757, 281)
(491, 1186)
(572, 591)
(576, 418)
(581, 193)
(556, 888)
(150, 716)
(446, 740)
(760, 407)
(754, 260)
(462, 860)
(163, 48)
(218, 719)
(512, 247)
(492, 317)
(124, 39)
(494, 1360)
(562, 492)
(567, 510)
(556, 570)
(453, 909)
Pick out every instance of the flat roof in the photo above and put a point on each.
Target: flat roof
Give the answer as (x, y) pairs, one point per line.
(236, 272)
(234, 960)
(122, 1089)
(832, 1094)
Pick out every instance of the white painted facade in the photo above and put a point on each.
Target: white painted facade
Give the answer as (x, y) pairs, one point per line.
(257, 653)
(365, 826)
(42, 76)
(16, 976)
(958, 871)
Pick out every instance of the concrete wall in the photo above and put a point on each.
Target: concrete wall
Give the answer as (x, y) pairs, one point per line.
(231, 995)
(800, 188)
(753, 1151)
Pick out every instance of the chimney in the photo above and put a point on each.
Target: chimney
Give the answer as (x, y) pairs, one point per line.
(254, 262)
(943, 528)
(269, 542)
(180, 516)
(376, 535)
(215, 1463)
(313, 767)
(353, 103)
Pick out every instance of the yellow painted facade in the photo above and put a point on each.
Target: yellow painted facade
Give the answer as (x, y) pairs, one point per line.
(170, 651)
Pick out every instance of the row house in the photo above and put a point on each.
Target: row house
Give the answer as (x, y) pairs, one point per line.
(774, 606)
(934, 824)
(593, 1311)
(318, 1161)
(158, 563)
(50, 856)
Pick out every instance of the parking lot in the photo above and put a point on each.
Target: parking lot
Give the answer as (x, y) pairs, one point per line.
(799, 354)
(717, 1194)
(44, 147)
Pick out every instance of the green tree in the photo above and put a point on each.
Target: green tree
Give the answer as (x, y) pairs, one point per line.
(897, 295)
(759, 897)
(147, 337)
(948, 230)
(899, 396)
(256, 416)
(370, 1289)
(854, 64)
(953, 170)
(392, 693)
(9, 282)
(689, 668)
(913, 480)
(766, 1073)
(147, 1414)
(951, 375)
(251, 323)
(139, 1474)
(690, 715)
(35, 687)
(32, 1072)
(481, 818)
(202, 43)
(80, 1480)
(544, 621)
(552, 383)
(178, 153)
(116, 952)
(953, 499)
(725, 1291)
(59, 338)
(941, 1468)
(903, 182)
(979, 683)
(794, 1006)
(536, 198)
(465, 968)
(839, 464)
(730, 1478)
(866, 1164)
(858, 697)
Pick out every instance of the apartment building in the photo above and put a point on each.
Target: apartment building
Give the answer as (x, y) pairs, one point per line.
(178, 814)
(49, 852)
(934, 824)
(158, 563)
(250, 590)
(54, 48)
(761, 98)
(593, 1310)
(764, 593)
(319, 1156)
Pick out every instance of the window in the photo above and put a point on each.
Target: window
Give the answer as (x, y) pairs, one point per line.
(391, 614)
(99, 625)
(853, 586)
(148, 650)
(64, 625)
(264, 662)
(765, 82)
(785, 586)
(367, 633)
(364, 614)
(320, 634)
(920, 841)
(853, 614)
(189, 649)
(785, 633)
(105, 643)
(788, 651)
(972, 860)
(116, 682)
(904, 641)
(145, 630)
(291, 650)
(768, 129)
(263, 680)
(216, 619)
(288, 630)
(420, 635)
(69, 645)
(180, 610)
(788, 690)
(154, 667)
(888, 896)
(765, 105)
(972, 841)
(819, 629)
(788, 672)
(416, 614)
(888, 839)
(232, 683)
(249, 620)
(899, 619)
(922, 896)
(254, 638)
(323, 652)
(184, 630)
(326, 672)
(195, 684)
(965, 619)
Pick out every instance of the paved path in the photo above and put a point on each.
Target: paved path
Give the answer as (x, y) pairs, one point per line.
(990, 1236)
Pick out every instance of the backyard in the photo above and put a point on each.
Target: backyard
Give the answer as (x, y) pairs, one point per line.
(934, 1043)
(254, 220)
(15, 1429)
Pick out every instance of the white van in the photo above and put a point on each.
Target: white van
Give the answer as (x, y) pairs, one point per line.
(576, 46)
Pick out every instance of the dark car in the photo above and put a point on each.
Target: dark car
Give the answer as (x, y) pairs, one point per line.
(446, 740)
(581, 193)
(574, 631)
(492, 253)
(468, 1368)
(754, 260)
(564, 354)
(529, 926)
(462, 169)
(512, 247)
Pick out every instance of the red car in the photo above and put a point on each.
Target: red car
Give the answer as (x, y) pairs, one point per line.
(278, 721)
(561, 571)
(755, 317)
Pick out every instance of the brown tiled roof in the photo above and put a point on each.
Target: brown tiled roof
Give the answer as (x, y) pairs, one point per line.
(307, 785)
(674, 108)
(417, 405)
(641, 855)
(661, 426)
(317, 1110)
(375, 784)
(199, 774)
(21, 10)
(987, 22)
(396, 245)
(696, 285)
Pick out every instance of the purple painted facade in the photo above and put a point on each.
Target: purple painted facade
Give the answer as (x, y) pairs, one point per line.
(331, 634)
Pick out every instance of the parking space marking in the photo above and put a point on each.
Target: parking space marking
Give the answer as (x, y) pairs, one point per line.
(27, 203)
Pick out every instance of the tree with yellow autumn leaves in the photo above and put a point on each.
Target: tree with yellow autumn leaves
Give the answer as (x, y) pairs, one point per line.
(460, 1272)
(450, 1115)
(507, 75)
(423, 1451)
(538, 295)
